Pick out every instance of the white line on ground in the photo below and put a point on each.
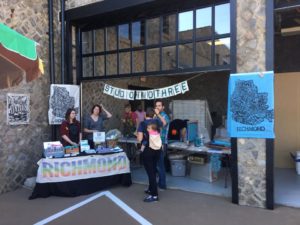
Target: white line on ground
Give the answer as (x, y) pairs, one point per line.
(108, 194)
(127, 209)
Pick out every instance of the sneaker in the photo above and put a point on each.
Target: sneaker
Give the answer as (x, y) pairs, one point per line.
(147, 191)
(151, 198)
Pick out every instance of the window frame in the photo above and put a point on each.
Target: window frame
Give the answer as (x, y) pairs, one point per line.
(160, 45)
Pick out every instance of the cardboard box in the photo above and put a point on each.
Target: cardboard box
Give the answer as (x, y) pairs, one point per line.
(178, 167)
(53, 149)
(202, 172)
(71, 150)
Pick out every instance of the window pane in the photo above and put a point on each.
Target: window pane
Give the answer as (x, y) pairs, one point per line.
(152, 31)
(73, 35)
(124, 66)
(111, 40)
(138, 34)
(99, 40)
(169, 58)
(138, 61)
(222, 19)
(87, 66)
(203, 22)
(153, 59)
(87, 42)
(73, 57)
(99, 65)
(169, 28)
(186, 25)
(203, 53)
(222, 51)
(185, 56)
(111, 64)
(124, 39)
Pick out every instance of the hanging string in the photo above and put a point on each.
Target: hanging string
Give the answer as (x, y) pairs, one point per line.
(198, 75)
(191, 78)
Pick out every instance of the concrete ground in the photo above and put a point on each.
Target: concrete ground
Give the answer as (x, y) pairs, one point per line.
(174, 207)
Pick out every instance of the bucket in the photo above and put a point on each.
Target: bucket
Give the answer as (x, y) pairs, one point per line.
(178, 167)
(297, 161)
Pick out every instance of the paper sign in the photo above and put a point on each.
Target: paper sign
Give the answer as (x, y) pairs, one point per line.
(99, 137)
(251, 105)
(165, 92)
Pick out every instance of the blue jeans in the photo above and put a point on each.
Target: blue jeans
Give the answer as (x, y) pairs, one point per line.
(161, 169)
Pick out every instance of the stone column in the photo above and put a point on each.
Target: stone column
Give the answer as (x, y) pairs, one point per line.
(251, 57)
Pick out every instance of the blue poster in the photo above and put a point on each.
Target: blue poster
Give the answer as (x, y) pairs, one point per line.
(250, 112)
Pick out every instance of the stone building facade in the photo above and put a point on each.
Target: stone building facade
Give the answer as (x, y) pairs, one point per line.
(250, 57)
(18, 155)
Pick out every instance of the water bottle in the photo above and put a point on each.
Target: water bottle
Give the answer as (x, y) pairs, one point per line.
(197, 142)
(201, 140)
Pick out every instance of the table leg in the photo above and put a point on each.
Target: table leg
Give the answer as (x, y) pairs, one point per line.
(227, 169)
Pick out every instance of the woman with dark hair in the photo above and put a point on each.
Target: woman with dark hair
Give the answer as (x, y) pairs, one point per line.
(70, 129)
(94, 122)
(150, 155)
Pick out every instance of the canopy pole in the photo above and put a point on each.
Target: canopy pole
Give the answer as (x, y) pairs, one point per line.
(62, 41)
(51, 58)
(51, 47)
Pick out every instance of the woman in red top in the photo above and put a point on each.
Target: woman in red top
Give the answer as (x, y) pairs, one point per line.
(70, 129)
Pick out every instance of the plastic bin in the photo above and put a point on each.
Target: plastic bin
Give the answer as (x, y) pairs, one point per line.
(202, 172)
(178, 167)
(176, 156)
(297, 161)
(296, 158)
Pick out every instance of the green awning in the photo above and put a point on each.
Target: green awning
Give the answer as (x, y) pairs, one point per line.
(16, 42)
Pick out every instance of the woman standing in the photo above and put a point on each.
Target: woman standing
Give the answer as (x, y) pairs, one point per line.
(94, 122)
(141, 114)
(129, 122)
(70, 129)
(150, 155)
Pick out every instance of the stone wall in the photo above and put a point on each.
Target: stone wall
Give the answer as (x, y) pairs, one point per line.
(76, 3)
(251, 44)
(21, 145)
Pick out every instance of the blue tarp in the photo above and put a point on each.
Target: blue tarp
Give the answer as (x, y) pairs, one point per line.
(250, 112)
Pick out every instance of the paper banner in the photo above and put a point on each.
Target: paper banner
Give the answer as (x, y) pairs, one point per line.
(165, 92)
(118, 92)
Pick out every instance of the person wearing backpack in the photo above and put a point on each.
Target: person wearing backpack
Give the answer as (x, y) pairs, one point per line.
(149, 136)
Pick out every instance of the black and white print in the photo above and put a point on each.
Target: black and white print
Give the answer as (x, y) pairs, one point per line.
(248, 105)
(251, 105)
(62, 97)
(18, 111)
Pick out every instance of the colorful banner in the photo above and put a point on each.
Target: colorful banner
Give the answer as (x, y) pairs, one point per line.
(165, 92)
(61, 98)
(77, 168)
(251, 105)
